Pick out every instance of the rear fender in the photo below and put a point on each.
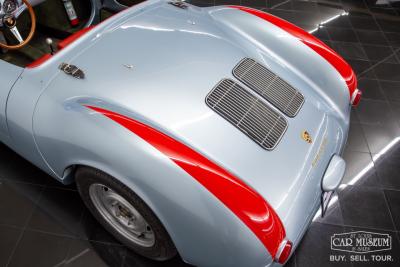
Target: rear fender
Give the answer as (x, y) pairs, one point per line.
(198, 223)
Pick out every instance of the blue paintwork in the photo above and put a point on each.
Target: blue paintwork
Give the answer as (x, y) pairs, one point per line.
(178, 56)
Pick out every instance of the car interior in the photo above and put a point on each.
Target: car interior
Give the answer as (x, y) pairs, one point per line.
(27, 39)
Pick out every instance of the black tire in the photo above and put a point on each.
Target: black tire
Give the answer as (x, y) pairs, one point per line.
(163, 248)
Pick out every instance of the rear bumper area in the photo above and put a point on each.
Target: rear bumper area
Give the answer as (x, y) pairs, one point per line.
(300, 235)
(303, 202)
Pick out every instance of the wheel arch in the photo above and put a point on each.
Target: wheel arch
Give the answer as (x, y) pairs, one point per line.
(228, 220)
(71, 170)
(197, 222)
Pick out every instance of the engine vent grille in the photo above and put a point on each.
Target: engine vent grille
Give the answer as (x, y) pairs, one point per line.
(270, 86)
(248, 113)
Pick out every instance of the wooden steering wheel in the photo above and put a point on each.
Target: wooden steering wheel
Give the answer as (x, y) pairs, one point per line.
(10, 22)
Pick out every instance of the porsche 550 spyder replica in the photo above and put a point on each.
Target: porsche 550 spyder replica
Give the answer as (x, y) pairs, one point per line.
(214, 133)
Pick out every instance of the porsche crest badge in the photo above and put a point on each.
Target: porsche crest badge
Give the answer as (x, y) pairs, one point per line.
(306, 137)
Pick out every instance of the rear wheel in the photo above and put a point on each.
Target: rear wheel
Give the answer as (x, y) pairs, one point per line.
(124, 214)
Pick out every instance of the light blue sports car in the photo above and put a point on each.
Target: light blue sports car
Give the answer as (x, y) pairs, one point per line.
(215, 133)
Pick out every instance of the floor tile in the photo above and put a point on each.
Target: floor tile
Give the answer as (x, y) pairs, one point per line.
(17, 202)
(387, 71)
(254, 3)
(340, 22)
(365, 207)
(84, 253)
(360, 13)
(367, 73)
(356, 140)
(393, 38)
(58, 211)
(379, 137)
(298, 6)
(361, 67)
(371, 89)
(285, 14)
(9, 237)
(292, 261)
(388, 169)
(393, 199)
(322, 33)
(371, 37)
(343, 35)
(133, 259)
(353, 116)
(360, 169)
(375, 112)
(389, 25)
(39, 249)
(350, 4)
(364, 23)
(385, 11)
(276, 3)
(349, 50)
(378, 53)
(391, 90)
(395, 106)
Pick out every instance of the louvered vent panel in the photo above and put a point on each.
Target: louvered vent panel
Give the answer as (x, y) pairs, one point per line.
(248, 113)
(270, 86)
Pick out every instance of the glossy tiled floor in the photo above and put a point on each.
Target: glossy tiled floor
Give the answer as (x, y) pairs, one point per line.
(44, 224)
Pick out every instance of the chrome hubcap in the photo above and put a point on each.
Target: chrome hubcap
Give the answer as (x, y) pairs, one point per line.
(121, 215)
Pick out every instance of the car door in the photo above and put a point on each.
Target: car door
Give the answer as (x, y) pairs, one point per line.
(8, 76)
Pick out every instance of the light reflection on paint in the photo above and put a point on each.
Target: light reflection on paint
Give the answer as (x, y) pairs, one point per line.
(184, 123)
(159, 29)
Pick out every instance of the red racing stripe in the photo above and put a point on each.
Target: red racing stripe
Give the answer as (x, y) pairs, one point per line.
(318, 46)
(242, 200)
